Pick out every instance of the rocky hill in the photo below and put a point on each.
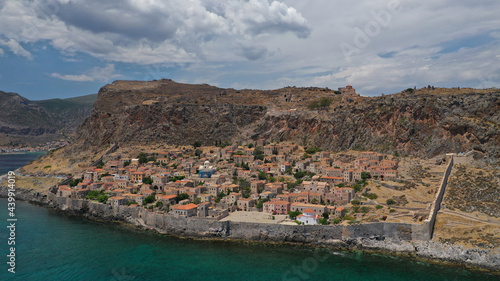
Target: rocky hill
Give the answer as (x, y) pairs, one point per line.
(25, 122)
(423, 122)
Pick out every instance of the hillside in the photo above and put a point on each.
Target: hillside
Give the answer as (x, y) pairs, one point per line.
(25, 122)
(424, 122)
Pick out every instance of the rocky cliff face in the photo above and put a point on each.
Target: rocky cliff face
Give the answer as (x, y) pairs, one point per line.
(424, 122)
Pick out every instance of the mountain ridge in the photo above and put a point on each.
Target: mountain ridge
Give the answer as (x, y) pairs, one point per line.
(423, 122)
(24, 122)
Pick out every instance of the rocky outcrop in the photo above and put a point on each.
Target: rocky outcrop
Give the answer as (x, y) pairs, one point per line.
(425, 122)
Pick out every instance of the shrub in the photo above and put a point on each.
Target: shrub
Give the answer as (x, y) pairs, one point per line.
(323, 221)
(355, 202)
(378, 207)
(390, 201)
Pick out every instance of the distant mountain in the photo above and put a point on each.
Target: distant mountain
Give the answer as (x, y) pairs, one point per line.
(28, 122)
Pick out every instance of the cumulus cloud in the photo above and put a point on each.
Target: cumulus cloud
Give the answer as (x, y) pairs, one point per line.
(145, 31)
(271, 43)
(103, 74)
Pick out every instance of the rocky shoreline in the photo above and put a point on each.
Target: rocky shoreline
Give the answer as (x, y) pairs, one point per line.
(390, 244)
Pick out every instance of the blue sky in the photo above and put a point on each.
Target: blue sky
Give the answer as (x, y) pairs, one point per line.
(67, 48)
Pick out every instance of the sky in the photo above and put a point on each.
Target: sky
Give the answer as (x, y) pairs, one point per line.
(67, 48)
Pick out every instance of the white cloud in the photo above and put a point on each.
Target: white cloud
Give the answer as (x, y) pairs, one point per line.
(103, 74)
(270, 44)
(16, 48)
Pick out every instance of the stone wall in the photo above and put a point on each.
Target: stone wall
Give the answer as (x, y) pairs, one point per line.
(205, 227)
(439, 198)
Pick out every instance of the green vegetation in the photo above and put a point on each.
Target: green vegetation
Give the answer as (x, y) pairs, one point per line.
(336, 220)
(355, 202)
(261, 202)
(378, 207)
(322, 103)
(174, 179)
(220, 195)
(75, 182)
(390, 201)
(145, 158)
(47, 167)
(371, 196)
(98, 196)
(313, 150)
(147, 180)
(196, 144)
(323, 221)
(182, 196)
(294, 214)
(365, 209)
(131, 202)
(149, 199)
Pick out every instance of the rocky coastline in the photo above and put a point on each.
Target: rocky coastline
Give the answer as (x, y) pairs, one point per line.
(384, 238)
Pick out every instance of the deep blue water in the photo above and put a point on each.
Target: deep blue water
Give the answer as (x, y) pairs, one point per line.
(10, 162)
(51, 246)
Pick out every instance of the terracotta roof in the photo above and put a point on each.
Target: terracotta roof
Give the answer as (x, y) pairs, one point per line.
(185, 207)
(308, 210)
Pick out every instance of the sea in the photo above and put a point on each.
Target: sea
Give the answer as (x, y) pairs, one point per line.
(10, 162)
(53, 246)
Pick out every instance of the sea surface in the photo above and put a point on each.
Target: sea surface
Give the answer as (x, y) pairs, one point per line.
(10, 162)
(53, 246)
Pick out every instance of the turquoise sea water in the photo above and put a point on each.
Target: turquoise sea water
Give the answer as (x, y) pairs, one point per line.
(9, 162)
(51, 246)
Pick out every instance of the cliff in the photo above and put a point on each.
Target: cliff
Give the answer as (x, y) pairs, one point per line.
(424, 122)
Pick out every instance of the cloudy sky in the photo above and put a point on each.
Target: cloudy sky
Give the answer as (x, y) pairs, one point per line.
(66, 48)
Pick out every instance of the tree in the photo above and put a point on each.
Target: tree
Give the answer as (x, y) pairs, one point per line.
(250, 145)
(336, 220)
(182, 196)
(198, 152)
(262, 175)
(102, 198)
(365, 175)
(299, 174)
(326, 215)
(294, 214)
(356, 187)
(147, 180)
(220, 195)
(75, 182)
(126, 163)
(196, 144)
(245, 192)
(149, 199)
(314, 201)
(197, 201)
(159, 204)
(355, 202)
